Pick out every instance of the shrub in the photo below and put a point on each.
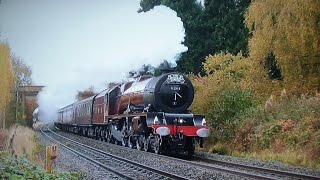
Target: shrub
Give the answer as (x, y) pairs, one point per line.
(13, 167)
(226, 108)
(218, 149)
(222, 95)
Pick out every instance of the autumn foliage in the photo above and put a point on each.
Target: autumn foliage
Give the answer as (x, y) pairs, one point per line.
(267, 104)
(6, 81)
(289, 31)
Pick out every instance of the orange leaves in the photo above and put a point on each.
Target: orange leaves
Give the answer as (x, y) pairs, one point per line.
(288, 125)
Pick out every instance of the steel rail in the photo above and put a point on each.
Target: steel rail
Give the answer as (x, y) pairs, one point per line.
(228, 170)
(157, 171)
(88, 158)
(261, 169)
(215, 168)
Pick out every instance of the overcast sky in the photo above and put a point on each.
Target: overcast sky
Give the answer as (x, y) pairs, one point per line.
(74, 44)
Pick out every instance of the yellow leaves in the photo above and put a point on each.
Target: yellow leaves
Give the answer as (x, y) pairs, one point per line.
(6, 77)
(227, 64)
(291, 31)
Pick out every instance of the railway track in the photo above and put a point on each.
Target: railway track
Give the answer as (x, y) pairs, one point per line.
(246, 171)
(261, 170)
(122, 167)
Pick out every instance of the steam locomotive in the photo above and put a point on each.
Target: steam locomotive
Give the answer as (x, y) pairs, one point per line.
(150, 114)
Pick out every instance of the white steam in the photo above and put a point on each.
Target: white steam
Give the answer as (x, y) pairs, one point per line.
(71, 48)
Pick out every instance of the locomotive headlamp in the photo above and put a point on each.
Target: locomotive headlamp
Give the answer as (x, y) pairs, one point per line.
(204, 122)
(163, 131)
(203, 132)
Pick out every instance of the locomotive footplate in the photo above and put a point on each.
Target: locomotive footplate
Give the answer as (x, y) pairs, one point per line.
(187, 119)
(178, 124)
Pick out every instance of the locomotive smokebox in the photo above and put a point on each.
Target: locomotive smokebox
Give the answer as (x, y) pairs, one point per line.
(171, 92)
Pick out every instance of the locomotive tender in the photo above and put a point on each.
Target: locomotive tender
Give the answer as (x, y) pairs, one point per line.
(149, 114)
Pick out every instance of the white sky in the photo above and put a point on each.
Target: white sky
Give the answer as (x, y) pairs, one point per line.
(74, 44)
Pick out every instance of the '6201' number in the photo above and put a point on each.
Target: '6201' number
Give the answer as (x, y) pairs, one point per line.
(175, 88)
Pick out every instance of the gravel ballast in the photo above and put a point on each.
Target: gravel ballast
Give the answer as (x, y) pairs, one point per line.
(253, 162)
(67, 161)
(153, 160)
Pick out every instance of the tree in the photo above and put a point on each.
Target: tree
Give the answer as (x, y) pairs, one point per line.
(22, 77)
(146, 5)
(85, 93)
(21, 71)
(288, 31)
(6, 81)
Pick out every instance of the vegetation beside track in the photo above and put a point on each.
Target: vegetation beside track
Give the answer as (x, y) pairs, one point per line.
(19, 167)
(267, 105)
(289, 131)
(20, 156)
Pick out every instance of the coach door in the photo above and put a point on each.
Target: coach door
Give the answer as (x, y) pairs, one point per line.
(106, 106)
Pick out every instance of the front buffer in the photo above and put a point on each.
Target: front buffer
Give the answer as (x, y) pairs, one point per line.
(176, 132)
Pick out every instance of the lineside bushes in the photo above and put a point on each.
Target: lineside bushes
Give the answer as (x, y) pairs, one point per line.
(229, 90)
(246, 121)
(13, 167)
(20, 156)
(267, 105)
(289, 131)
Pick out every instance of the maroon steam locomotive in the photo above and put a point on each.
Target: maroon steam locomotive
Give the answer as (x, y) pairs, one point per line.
(149, 114)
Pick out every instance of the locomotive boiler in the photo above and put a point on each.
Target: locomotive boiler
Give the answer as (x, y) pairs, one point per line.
(150, 113)
(171, 93)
